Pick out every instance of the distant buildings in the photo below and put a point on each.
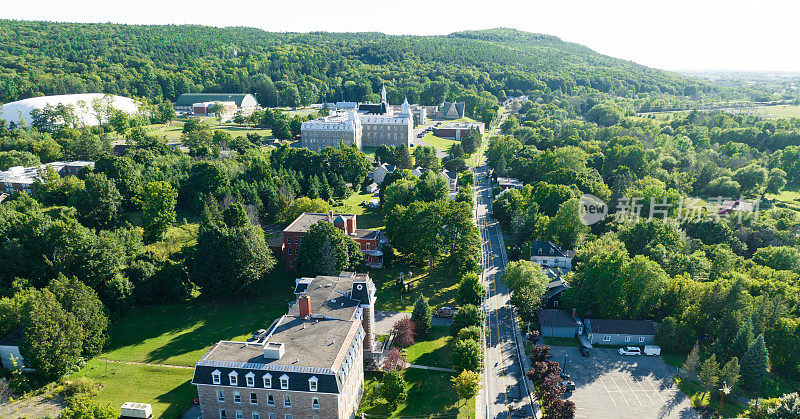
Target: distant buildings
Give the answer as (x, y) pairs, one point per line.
(88, 107)
(451, 110)
(369, 241)
(549, 254)
(9, 350)
(380, 172)
(308, 364)
(509, 183)
(21, 179)
(364, 125)
(457, 130)
(450, 177)
(233, 102)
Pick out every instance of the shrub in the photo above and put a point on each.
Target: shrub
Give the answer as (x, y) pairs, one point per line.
(393, 387)
(471, 332)
(469, 315)
(403, 332)
(467, 355)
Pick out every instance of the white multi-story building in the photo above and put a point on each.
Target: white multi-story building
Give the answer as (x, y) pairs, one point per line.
(369, 125)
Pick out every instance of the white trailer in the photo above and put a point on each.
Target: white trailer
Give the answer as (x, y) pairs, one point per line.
(652, 350)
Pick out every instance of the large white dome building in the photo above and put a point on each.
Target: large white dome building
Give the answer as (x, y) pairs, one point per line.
(82, 103)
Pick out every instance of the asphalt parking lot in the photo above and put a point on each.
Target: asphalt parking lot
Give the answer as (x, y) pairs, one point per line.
(608, 385)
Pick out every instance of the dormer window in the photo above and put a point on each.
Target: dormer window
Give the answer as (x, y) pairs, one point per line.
(267, 380)
(215, 377)
(233, 378)
(284, 382)
(312, 384)
(251, 379)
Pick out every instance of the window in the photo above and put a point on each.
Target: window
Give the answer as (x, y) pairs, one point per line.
(272, 416)
(220, 396)
(641, 339)
(288, 416)
(267, 381)
(627, 338)
(255, 415)
(233, 378)
(284, 382)
(315, 403)
(215, 377)
(555, 303)
(237, 397)
(312, 384)
(287, 402)
(239, 414)
(606, 338)
(253, 398)
(223, 414)
(270, 400)
(251, 379)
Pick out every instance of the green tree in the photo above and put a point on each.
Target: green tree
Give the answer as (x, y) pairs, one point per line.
(393, 387)
(565, 227)
(470, 332)
(692, 361)
(467, 355)
(467, 384)
(468, 315)
(323, 241)
(83, 407)
(470, 290)
(421, 316)
(743, 340)
(755, 365)
(51, 337)
(158, 208)
(730, 373)
(90, 314)
(403, 158)
(301, 205)
(471, 141)
(100, 203)
(709, 373)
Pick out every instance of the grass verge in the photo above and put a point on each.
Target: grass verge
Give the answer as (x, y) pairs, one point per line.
(429, 393)
(434, 351)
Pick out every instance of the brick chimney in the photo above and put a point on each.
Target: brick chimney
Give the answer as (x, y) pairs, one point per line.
(330, 216)
(573, 313)
(304, 305)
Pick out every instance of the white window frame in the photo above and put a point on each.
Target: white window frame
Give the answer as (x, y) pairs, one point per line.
(287, 401)
(627, 338)
(313, 384)
(237, 397)
(220, 396)
(288, 416)
(284, 382)
(256, 415)
(606, 338)
(270, 400)
(233, 378)
(216, 377)
(239, 414)
(223, 414)
(267, 380)
(250, 378)
(253, 396)
(315, 403)
(641, 339)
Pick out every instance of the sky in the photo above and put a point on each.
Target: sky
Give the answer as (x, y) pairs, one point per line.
(734, 35)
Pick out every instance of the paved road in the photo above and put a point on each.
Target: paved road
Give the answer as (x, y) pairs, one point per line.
(505, 393)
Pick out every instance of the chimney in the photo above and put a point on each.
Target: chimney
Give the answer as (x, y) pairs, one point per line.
(305, 306)
(573, 313)
(330, 216)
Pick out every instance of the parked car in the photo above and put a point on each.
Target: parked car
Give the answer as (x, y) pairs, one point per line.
(568, 385)
(652, 350)
(564, 376)
(630, 351)
(445, 312)
(584, 351)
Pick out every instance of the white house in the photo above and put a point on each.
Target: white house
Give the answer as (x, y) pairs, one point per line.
(381, 171)
(549, 254)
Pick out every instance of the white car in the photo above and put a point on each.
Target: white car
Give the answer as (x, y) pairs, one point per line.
(630, 350)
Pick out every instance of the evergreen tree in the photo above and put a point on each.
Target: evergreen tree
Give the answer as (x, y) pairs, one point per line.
(755, 365)
(393, 387)
(403, 158)
(421, 316)
(456, 151)
(470, 290)
(744, 338)
(709, 373)
(51, 337)
(730, 373)
(90, 314)
(693, 359)
(500, 168)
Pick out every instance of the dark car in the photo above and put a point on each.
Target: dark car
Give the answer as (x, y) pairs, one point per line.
(584, 351)
(568, 385)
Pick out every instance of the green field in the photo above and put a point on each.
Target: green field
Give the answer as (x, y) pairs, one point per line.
(442, 144)
(441, 290)
(429, 393)
(168, 390)
(172, 131)
(786, 199)
(366, 217)
(434, 351)
(774, 112)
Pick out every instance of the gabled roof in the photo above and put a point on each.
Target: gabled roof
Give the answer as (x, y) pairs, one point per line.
(621, 327)
(188, 99)
(551, 317)
(547, 249)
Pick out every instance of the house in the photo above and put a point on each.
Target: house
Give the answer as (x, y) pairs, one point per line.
(451, 178)
(549, 254)
(9, 349)
(369, 241)
(208, 108)
(509, 183)
(381, 171)
(558, 323)
(417, 172)
(308, 364)
(22, 179)
(244, 102)
(729, 206)
(372, 188)
(620, 332)
(457, 130)
(556, 286)
(452, 110)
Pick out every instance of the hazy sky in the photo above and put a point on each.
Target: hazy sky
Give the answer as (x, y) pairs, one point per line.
(673, 34)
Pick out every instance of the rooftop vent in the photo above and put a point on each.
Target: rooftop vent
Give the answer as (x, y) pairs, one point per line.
(273, 350)
(136, 410)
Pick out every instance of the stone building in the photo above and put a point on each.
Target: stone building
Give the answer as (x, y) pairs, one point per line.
(308, 364)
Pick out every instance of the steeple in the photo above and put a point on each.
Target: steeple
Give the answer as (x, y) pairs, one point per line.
(383, 94)
(405, 108)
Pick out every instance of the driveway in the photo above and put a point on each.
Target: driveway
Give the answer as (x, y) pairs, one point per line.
(608, 385)
(385, 320)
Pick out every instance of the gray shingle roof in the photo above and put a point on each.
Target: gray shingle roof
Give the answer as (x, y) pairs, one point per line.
(622, 327)
(550, 317)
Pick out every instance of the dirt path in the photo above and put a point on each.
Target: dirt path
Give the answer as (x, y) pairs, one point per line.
(34, 407)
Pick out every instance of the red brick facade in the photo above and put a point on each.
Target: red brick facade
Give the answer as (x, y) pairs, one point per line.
(368, 240)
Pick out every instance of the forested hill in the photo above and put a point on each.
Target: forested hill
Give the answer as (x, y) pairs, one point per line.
(161, 62)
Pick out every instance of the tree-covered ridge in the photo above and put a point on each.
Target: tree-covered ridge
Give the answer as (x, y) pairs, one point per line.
(161, 62)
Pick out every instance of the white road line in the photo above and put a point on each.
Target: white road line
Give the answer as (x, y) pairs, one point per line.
(646, 393)
(628, 382)
(620, 390)
(654, 388)
(609, 393)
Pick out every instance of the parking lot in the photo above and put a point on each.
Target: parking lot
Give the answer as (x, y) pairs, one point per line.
(608, 385)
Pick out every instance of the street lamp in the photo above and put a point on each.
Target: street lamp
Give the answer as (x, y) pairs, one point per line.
(723, 391)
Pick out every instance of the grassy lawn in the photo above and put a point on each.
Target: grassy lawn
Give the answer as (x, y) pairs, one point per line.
(426, 397)
(442, 144)
(674, 359)
(173, 131)
(168, 390)
(433, 351)
(700, 398)
(440, 289)
(367, 217)
(789, 199)
(369, 152)
(551, 341)
(776, 112)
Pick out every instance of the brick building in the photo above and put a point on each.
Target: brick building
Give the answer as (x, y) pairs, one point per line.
(309, 364)
(457, 130)
(369, 241)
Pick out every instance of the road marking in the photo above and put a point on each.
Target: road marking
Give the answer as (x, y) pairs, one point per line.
(609, 393)
(646, 392)
(628, 382)
(620, 390)
(654, 388)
